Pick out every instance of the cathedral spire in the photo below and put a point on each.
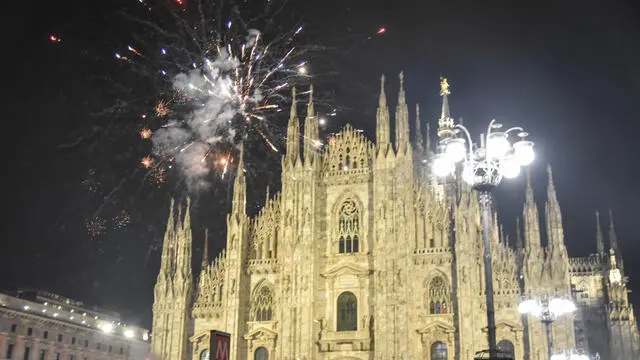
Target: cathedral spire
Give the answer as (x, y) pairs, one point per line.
(553, 214)
(419, 144)
(185, 245)
(613, 238)
(445, 123)
(531, 218)
(382, 120)
(519, 244)
(427, 141)
(402, 119)
(599, 237)
(240, 186)
(293, 133)
(267, 196)
(613, 242)
(169, 235)
(205, 249)
(311, 133)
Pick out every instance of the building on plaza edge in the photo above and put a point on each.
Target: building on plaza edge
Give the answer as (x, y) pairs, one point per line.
(38, 325)
(363, 256)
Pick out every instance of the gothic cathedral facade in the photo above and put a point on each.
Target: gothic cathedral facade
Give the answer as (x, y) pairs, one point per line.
(363, 256)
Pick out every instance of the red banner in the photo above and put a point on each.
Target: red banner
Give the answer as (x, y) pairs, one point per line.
(220, 345)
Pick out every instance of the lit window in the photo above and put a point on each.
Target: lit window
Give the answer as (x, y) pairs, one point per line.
(204, 354)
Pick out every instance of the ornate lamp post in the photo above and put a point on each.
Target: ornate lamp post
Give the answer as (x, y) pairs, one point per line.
(484, 166)
(548, 310)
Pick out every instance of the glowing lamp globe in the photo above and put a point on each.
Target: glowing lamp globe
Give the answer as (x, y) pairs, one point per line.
(523, 151)
(468, 174)
(441, 165)
(106, 327)
(456, 149)
(497, 145)
(559, 307)
(531, 307)
(510, 167)
(129, 333)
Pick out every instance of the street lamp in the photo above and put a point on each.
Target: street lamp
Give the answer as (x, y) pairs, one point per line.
(483, 167)
(548, 310)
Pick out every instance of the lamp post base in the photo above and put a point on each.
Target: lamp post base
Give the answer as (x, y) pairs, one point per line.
(497, 355)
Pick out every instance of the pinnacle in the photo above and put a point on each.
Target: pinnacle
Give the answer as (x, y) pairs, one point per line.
(529, 189)
(383, 96)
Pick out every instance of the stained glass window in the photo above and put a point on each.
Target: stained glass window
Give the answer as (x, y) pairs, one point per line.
(438, 296)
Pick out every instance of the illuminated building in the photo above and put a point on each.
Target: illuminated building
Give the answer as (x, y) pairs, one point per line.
(363, 256)
(37, 325)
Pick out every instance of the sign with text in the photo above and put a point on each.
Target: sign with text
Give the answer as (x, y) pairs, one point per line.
(220, 345)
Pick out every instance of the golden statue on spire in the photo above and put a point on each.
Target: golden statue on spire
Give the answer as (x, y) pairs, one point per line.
(444, 86)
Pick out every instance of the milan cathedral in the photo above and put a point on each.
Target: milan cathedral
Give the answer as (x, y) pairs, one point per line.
(362, 255)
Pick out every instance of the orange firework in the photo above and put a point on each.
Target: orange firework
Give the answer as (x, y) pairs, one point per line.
(146, 162)
(161, 108)
(145, 133)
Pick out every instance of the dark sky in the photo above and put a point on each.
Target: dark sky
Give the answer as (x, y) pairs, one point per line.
(568, 71)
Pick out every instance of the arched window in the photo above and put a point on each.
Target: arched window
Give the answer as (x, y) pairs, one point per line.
(347, 312)
(438, 296)
(348, 228)
(261, 354)
(204, 354)
(438, 351)
(262, 304)
(506, 349)
(583, 290)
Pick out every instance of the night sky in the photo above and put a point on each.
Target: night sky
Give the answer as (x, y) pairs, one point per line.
(569, 72)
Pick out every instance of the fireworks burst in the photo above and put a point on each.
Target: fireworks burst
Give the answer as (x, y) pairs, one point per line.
(90, 183)
(121, 220)
(226, 78)
(147, 162)
(96, 227)
(145, 133)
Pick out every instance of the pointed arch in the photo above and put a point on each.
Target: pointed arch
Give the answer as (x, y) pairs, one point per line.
(349, 216)
(262, 303)
(438, 294)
